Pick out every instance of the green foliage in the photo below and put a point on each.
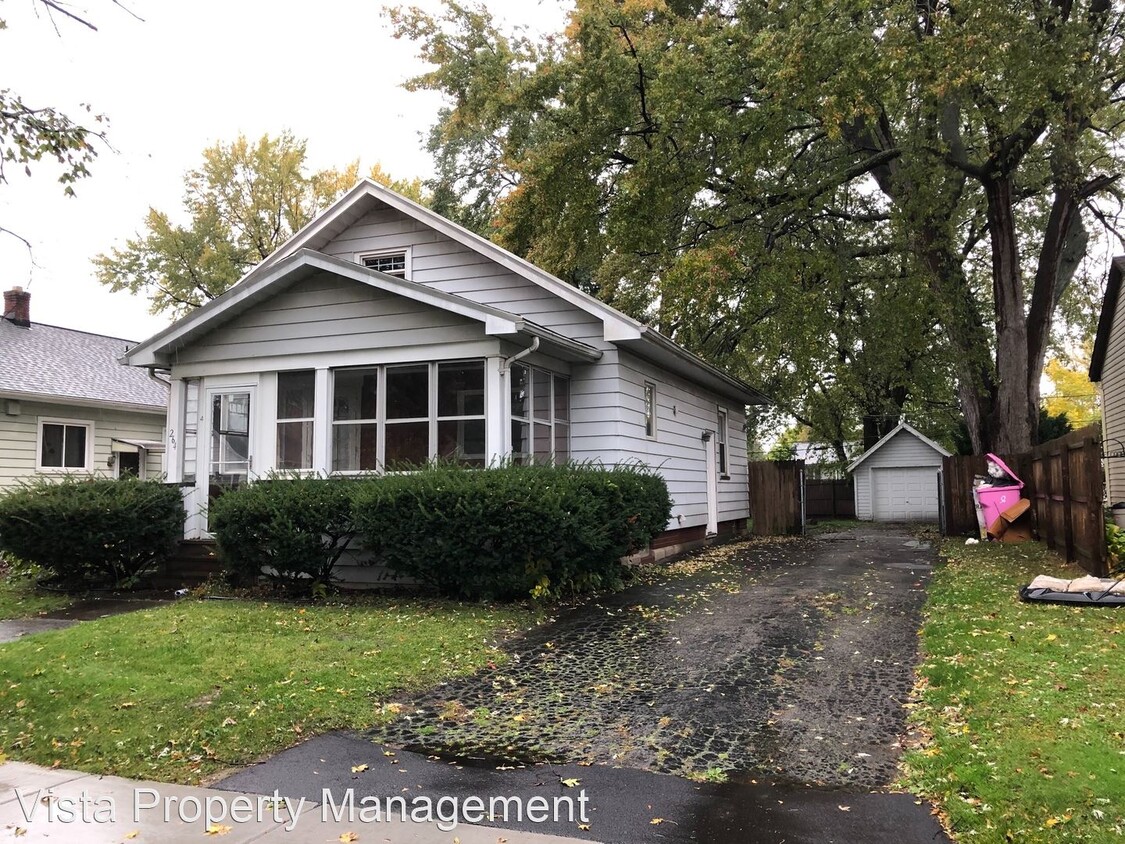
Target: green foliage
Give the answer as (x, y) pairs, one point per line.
(184, 692)
(1053, 426)
(1015, 702)
(244, 200)
(92, 532)
(896, 194)
(514, 531)
(292, 530)
(1115, 547)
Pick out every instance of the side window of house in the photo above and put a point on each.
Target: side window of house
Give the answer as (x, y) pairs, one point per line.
(295, 408)
(64, 445)
(650, 410)
(355, 424)
(721, 444)
(391, 263)
(540, 405)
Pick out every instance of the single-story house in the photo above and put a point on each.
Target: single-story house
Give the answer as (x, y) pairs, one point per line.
(1107, 370)
(896, 480)
(382, 334)
(68, 406)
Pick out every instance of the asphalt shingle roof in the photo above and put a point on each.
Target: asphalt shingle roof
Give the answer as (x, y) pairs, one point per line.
(63, 363)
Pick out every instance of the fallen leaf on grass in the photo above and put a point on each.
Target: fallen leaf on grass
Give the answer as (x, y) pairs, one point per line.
(656, 821)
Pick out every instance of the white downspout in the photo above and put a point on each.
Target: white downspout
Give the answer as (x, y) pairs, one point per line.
(506, 363)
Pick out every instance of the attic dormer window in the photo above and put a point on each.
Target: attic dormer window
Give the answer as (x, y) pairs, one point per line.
(395, 263)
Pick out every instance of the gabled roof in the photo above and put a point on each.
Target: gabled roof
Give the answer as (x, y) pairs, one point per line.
(270, 278)
(617, 327)
(48, 363)
(1105, 321)
(902, 426)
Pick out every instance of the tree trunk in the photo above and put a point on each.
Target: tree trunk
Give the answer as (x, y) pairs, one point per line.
(1012, 412)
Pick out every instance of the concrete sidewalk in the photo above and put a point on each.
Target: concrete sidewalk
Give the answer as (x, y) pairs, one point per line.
(40, 804)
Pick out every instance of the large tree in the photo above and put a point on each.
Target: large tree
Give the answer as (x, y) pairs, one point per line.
(723, 166)
(243, 202)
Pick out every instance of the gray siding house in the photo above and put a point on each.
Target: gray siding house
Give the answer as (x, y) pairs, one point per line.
(67, 406)
(383, 334)
(1107, 370)
(896, 480)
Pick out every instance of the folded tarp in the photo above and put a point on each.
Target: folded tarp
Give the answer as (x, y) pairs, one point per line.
(1080, 590)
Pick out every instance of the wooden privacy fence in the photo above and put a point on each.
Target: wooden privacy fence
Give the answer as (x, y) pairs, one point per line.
(1067, 489)
(1062, 479)
(776, 499)
(830, 499)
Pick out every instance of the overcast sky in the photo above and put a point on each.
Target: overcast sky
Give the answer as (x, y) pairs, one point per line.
(191, 73)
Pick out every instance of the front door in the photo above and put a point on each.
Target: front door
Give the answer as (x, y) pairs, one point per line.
(229, 457)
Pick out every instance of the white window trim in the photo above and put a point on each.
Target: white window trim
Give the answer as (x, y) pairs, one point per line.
(381, 421)
(722, 427)
(142, 453)
(278, 422)
(531, 420)
(405, 251)
(88, 469)
(655, 408)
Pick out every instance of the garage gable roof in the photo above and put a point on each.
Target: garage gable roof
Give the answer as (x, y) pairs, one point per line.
(902, 426)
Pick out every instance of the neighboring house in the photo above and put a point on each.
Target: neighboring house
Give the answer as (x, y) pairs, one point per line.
(383, 334)
(896, 480)
(67, 406)
(1107, 370)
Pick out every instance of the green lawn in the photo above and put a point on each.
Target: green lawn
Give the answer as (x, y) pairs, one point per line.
(181, 692)
(1024, 704)
(19, 598)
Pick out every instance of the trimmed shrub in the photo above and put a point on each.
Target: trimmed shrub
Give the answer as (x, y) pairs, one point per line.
(92, 532)
(292, 530)
(514, 531)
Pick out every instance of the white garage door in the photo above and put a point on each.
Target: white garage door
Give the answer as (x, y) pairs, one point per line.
(904, 495)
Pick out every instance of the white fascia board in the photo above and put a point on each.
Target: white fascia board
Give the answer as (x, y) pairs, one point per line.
(154, 351)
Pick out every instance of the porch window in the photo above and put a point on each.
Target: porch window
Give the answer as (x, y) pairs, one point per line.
(404, 415)
(650, 410)
(355, 426)
(460, 412)
(540, 404)
(295, 393)
(408, 415)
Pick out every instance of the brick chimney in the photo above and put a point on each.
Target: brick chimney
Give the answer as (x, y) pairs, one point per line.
(17, 306)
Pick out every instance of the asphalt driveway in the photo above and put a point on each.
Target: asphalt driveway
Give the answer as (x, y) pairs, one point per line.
(769, 676)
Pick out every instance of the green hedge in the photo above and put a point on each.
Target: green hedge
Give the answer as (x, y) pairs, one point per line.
(514, 531)
(292, 530)
(92, 532)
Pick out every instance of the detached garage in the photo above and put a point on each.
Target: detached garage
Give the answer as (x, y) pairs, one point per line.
(896, 480)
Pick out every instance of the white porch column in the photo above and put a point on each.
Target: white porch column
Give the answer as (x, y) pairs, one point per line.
(322, 423)
(174, 439)
(496, 424)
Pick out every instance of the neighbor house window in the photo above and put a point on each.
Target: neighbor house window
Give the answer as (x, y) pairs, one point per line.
(295, 408)
(650, 410)
(391, 263)
(404, 415)
(721, 444)
(540, 403)
(65, 445)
